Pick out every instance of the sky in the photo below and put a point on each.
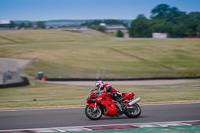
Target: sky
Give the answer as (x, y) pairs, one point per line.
(40, 10)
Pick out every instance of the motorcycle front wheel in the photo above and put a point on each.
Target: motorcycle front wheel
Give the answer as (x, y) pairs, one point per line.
(91, 114)
(133, 111)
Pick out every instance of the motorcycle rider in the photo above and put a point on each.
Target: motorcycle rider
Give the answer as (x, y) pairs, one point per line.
(114, 93)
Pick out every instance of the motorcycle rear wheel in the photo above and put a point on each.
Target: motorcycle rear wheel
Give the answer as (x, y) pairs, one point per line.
(133, 112)
(89, 112)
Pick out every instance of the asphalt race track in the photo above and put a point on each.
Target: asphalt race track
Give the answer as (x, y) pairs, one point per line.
(46, 118)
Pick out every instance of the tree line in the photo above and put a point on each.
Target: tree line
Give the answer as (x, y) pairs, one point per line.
(166, 19)
(13, 24)
(163, 19)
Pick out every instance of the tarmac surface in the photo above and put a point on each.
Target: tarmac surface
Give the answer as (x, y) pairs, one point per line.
(8, 64)
(48, 118)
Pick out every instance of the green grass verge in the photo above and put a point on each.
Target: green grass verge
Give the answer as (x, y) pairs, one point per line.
(173, 129)
(50, 95)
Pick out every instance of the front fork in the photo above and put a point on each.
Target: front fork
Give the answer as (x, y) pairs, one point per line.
(95, 107)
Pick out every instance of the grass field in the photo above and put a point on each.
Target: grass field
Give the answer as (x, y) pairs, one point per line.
(57, 50)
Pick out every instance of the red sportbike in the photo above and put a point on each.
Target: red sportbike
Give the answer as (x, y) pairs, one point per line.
(102, 103)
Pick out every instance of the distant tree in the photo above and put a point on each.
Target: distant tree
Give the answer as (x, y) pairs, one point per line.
(160, 11)
(98, 27)
(164, 11)
(41, 25)
(139, 27)
(22, 25)
(192, 22)
(5, 25)
(179, 30)
(166, 19)
(120, 33)
(198, 30)
(95, 22)
(101, 28)
(114, 22)
(195, 15)
(29, 25)
(12, 24)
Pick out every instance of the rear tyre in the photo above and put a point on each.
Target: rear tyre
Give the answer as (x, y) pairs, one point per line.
(91, 114)
(133, 112)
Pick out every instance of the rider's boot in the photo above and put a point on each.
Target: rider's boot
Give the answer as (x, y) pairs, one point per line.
(122, 105)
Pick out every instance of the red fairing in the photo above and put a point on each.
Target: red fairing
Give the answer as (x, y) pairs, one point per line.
(106, 96)
(128, 96)
(110, 108)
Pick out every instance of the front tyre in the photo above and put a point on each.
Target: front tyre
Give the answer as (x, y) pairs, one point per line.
(133, 111)
(91, 114)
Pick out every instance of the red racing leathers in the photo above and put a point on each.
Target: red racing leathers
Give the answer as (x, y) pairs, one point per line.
(108, 88)
(114, 94)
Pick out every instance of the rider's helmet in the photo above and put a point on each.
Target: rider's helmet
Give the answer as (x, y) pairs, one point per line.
(99, 85)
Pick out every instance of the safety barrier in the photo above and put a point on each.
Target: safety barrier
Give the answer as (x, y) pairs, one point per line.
(23, 82)
(105, 74)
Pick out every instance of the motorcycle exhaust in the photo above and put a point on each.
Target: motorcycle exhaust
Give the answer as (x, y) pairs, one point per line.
(134, 101)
